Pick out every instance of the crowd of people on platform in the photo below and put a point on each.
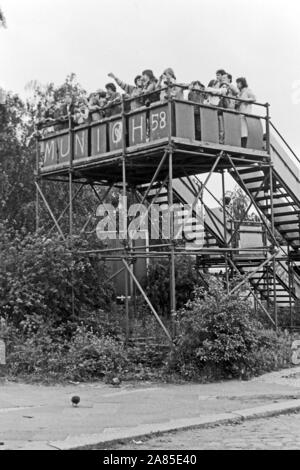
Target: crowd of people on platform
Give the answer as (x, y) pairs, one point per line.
(103, 103)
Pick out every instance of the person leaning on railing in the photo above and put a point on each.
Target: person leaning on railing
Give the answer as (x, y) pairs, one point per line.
(133, 91)
(194, 94)
(168, 79)
(113, 100)
(97, 101)
(81, 112)
(216, 97)
(149, 86)
(232, 91)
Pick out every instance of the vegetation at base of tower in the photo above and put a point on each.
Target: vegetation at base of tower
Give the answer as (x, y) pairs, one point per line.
(158, 282)
(220, 337)
(217, 335)
(40, 276)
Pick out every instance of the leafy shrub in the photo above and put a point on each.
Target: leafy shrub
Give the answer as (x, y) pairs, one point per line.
(48, 354)
(158, 290)
(218, 336)
(37, 274)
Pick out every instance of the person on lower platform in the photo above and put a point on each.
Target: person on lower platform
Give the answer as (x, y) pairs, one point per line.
(246, 94)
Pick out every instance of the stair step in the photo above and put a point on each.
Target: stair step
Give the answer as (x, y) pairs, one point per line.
(267, 197)
(282, 204)
(245, 171)
(283, 214)
(288, 222)
(290, 230)
(254, 179)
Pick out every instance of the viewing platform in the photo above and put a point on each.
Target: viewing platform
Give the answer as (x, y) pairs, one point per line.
(194, 133)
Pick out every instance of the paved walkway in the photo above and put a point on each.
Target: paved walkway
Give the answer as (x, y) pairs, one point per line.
(41, 417)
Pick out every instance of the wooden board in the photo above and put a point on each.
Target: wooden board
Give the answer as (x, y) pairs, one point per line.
(232, 129)
(115, 135)
(209, 125)
(137, 127)
(49, 152)
(185, 120)
(64, 149)
(81, 144)
(159, 122)
(255, 133)
(98, 139)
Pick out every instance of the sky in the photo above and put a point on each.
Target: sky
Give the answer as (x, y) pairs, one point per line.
(259, 39)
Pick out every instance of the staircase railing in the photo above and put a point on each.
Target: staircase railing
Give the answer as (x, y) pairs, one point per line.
(285, 142)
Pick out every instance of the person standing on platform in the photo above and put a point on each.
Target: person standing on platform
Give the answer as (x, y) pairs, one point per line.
(133, 91)
(196, 96)
(232, 91)
(149, 86)
(113, 100)
(81, 112)
(216, 82)
(244, 107)
(195, 89)
(168, 78)
(96, 103)
(215, 95)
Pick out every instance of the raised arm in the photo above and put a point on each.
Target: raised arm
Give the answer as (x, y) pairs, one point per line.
(125, 86)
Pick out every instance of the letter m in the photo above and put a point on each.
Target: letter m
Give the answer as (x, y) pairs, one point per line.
(49, 156)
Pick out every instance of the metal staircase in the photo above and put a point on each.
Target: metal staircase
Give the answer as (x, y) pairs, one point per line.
(184, 192)
(286, 190)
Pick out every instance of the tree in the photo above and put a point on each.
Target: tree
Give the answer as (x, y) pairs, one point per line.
(17, 162)
(2, 19)
(238, 203)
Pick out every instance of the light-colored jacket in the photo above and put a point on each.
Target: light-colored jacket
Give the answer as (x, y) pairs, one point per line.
(245, 94)
(132, 91)
(214, 100)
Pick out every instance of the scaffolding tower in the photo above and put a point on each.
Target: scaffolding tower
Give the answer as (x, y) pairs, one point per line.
(155, 154)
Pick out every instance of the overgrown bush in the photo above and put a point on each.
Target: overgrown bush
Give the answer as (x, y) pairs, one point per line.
(218, 336)
(48, 354)
(40, 350)
(158, 290)
(37, 275)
